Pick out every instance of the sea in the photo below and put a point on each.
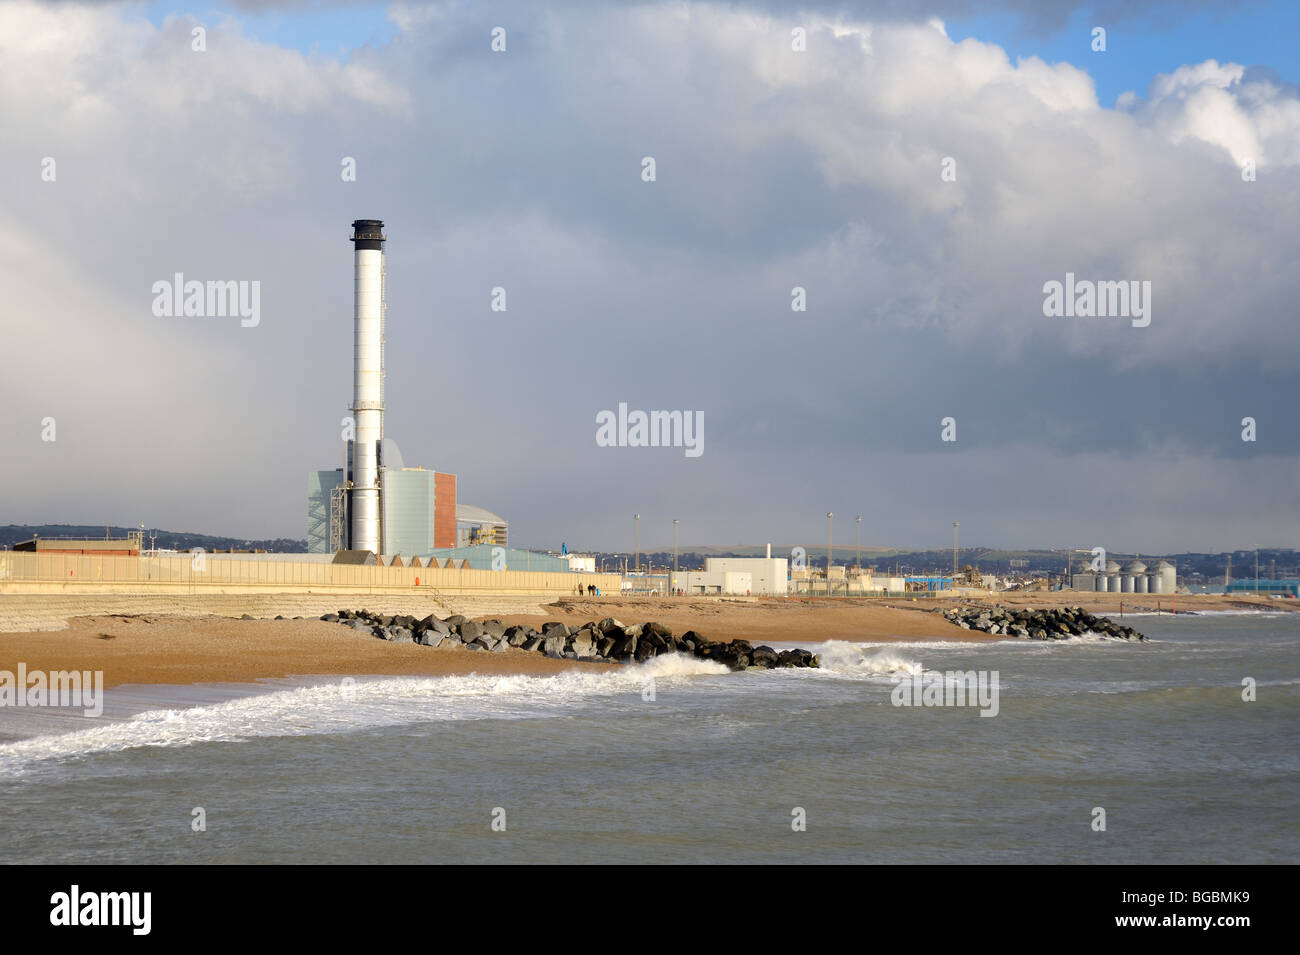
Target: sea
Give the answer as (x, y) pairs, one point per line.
(1181, 749)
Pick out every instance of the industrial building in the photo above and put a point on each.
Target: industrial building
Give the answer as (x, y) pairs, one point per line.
(768, 575)
(735, 575)
(711, 582)
(1287, 587)
(106, 547)
(366, 505)
(843, 584)
(475, 525)
(1135, 577)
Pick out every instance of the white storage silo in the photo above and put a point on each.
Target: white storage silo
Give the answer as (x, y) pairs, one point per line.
(1168, 577)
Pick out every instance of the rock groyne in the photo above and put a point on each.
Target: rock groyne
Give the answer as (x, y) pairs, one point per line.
(607, 640)
(1060, 623)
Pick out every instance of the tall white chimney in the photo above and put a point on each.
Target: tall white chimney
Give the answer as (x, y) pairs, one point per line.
(769, 550)
(367, 383)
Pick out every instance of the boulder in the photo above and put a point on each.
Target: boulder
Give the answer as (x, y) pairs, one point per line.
(797, 658)
(455, 620)
(532, 643)
(583, 645)
(331, 618)
(399, 635)
(624, 644)
(708, 650)
(494, 627)
(764, 658)
(555, 628)
(735, 654)
(470, 631)
(431, 622)
(553, 645)
(432, 638)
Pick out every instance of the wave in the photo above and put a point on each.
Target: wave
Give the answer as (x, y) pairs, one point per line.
(863, 661)
(345, 706)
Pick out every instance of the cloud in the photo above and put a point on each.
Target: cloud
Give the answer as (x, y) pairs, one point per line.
(775, 169)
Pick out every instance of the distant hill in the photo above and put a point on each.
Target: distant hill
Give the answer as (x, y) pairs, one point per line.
(11, 534)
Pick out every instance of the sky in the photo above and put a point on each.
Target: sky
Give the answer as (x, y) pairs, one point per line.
(922, 172)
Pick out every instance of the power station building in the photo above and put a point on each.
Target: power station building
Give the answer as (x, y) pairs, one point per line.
(366, 505)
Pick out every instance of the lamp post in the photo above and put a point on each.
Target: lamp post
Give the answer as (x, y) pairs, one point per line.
(955, 525)
(859, 545)
(636, 544)
(675, 522)
(829, 515)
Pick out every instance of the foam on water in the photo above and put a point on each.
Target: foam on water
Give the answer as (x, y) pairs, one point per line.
(364, 704)
(857, 661)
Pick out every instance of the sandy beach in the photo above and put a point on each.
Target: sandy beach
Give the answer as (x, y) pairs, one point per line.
(178, 640)
(152, 640)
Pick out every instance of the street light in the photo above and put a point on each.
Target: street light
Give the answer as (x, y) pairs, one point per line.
(859, 545)
(955, 525)
(636, 538)
(829, 515)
